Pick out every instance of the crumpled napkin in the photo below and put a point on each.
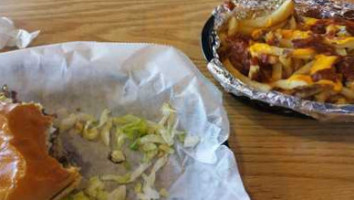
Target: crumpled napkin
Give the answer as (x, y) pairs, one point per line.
(10, 36)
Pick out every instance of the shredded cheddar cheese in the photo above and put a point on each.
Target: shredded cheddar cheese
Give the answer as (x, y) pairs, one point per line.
(262, 48)
(301, 78)
(323, 62)
(304, 53)
(294, 34)
(310, 21)
(337, 86)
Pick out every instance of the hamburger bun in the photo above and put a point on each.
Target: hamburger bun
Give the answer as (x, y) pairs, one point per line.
(27, 170)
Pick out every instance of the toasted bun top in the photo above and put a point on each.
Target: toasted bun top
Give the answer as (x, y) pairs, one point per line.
(27, 172)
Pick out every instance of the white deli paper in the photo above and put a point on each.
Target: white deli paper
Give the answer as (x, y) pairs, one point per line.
(134, 79)
(10, 36)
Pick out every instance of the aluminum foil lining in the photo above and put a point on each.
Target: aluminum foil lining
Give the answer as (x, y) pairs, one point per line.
(242, 8)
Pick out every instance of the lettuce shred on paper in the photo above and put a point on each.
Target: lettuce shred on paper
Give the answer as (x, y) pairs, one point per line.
(153, 140)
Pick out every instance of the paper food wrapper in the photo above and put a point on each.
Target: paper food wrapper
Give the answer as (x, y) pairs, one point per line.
(133, 79)
(10, 36)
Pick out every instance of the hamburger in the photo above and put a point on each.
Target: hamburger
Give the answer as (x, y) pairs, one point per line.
(31, 165)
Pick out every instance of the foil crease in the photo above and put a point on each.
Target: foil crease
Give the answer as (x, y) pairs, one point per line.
(242, 8)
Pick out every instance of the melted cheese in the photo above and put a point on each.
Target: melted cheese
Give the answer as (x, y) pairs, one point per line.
(337, 86)
(310, 21)
(295, 81)
(303, 53)
(257, 33)
(262, 48)
(295, 34)
(301, 78)
(323, 62)
(259, 48)
(343, 40)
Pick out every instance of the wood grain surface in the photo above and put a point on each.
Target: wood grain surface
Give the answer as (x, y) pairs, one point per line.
(279, 157)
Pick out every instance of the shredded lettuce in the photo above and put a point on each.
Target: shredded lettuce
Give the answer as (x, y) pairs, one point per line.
(150, 155)
(164, 193)
(135, 129)
(77, 196)
(139, 171)
(120, 138)
(149, 147)
(181, 137)
(138, 188)
(104, 117)
(102, 195)
(155, 141)
(134, 146)
(90, 131)
(117, 156)
(119, 193)
(68, 123)
(84, 117)
(148, 191)
(96, 189)
(4, 98)
(106, 132)
(157, 166)
(153, 127)
(167, 136)
(119, 179)
(167, 149)
(127, 165)
(152, 139)
(168, 114)
(125, 120)
(79, 127)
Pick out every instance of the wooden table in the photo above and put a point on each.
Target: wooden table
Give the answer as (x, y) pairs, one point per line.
(279, 157)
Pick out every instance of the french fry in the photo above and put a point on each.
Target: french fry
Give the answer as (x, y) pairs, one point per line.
(335, 86)
(253, 72)
(295, 81)
(292, 23)
(323, 96)
(341, 100)
(247, 30)
(345, 42)
(285, 43)
(233, 26)
(305, 69)
(307, 92)
(244, 79)
(278, 16)
(350, 85)
(348, 93)
(286, 62)
(277, 71)
(341, 52)
(277, 26)
(296, 64)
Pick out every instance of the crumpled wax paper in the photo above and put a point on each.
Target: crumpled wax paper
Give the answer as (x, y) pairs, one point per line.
(10, 36)
(133, 79)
